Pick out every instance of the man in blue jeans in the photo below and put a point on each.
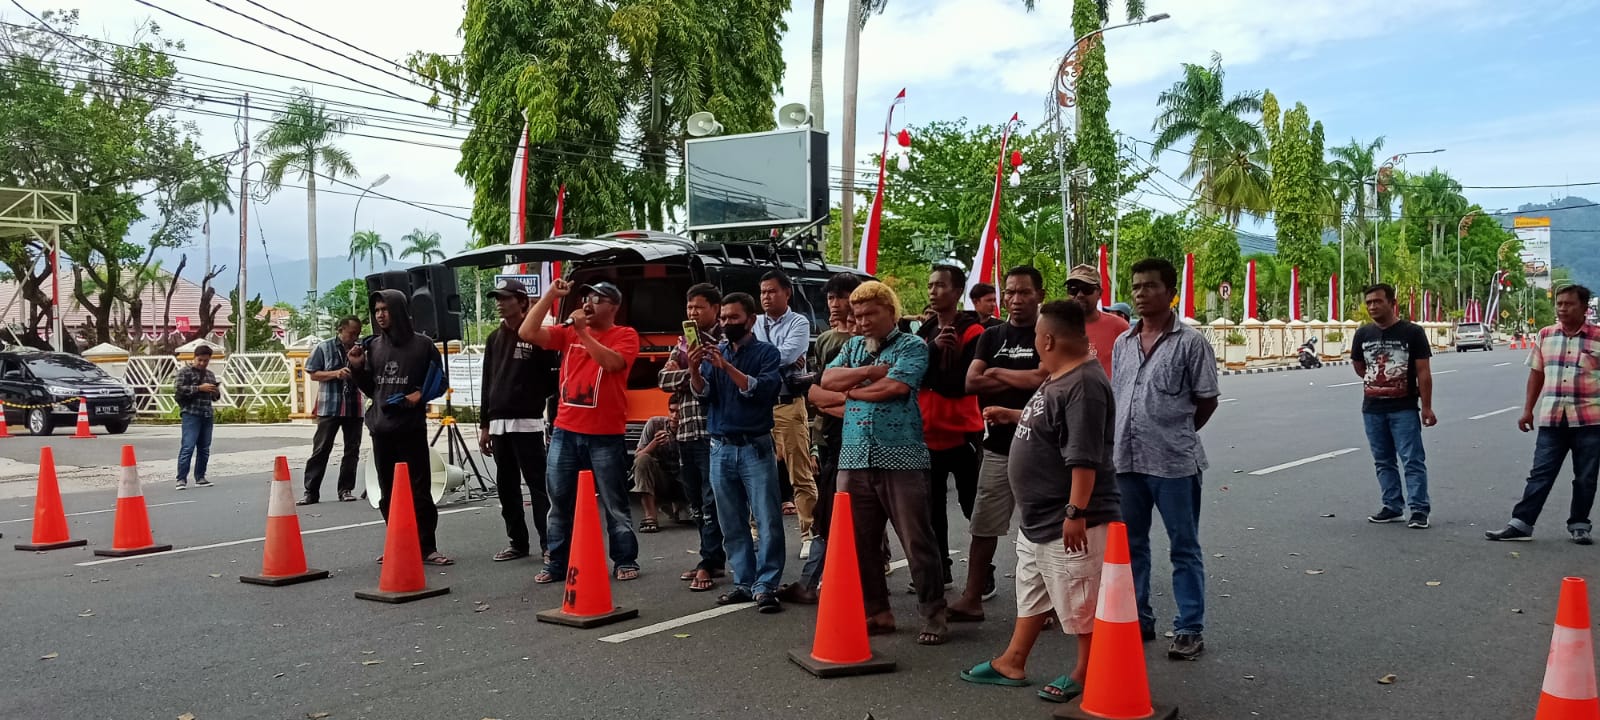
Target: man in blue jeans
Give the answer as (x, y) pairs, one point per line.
(739, 382)
(1391, 356)
(195, 388)
(596, 355)
(702, 305)
(1164, 380)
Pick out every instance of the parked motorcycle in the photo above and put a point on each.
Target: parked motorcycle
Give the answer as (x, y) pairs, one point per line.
(1308, 354)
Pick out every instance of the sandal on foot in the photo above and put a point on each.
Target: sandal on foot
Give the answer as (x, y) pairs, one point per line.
(715, 574)
(736, 596)
(438, 560)
(1064, 690)
(545, 577)
(510, 554)
(704, 584)
(790, 509)
(626, 573)
(984, 674)
(933, 633)
(648, 525)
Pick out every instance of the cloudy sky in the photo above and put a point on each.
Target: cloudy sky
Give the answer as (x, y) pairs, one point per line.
(1503, 87)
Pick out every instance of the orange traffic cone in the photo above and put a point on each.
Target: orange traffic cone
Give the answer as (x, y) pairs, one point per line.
(840, 647)
(1569, 684)
(586, 603)
(4, 431)
(131, 534)
(283, 560)
(83, 427)
(49, 518)
(403, 578)
(1117, 685)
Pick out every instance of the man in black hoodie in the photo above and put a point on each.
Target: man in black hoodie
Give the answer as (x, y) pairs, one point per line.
(517, 378)
(391, 368)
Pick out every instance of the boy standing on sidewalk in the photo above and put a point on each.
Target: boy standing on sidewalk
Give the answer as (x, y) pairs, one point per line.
(195, 389)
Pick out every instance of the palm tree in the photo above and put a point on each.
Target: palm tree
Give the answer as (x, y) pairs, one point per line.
(1229, 153)
(1436, 197)
(300, 139)
(368, 244)
(208, 189)
(1351, 167)
(424, 243)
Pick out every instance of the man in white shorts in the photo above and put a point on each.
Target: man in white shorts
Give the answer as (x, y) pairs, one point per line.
(1066, 490)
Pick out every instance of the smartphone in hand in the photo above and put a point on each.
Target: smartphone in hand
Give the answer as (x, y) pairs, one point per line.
(691, 334)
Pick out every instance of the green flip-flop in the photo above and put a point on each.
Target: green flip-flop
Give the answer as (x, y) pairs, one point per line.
(984, 674)
(1069, 689)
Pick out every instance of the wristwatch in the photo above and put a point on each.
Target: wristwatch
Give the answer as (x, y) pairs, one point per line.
(1074, 512)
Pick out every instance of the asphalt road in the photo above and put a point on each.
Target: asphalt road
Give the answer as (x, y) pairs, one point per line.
(164, 635)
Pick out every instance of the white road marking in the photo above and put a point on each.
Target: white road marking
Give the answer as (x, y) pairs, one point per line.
(1444, 372)
(97, 512)
(1303, 461)
(693, 618)
(247, 541)
(1346, 384)
(1229, 400)
(1496, 412)
(1501, 364)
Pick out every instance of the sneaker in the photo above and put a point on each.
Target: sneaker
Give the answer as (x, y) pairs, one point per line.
(989, 588)
(1418, 521)
(1385, 516)
(1581, 537)
(1187, 647)
(1508, 534)
(181, 485)
(805, 550)
(202, 482)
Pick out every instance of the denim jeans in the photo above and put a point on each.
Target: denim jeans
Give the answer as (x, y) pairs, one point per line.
(694, 462)
(1178, 500)
(607, 457)
(745, 480)
(1399, 432)
(1549, 453)
(196, 444)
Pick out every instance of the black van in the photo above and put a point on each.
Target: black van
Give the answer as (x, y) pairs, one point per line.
(654, 270)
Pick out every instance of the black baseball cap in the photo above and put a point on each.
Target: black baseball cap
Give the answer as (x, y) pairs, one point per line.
(508, 286)
(606, 289)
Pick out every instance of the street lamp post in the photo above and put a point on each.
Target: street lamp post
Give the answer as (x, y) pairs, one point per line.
(1377, 247)
(354, 295)
(1061, 88)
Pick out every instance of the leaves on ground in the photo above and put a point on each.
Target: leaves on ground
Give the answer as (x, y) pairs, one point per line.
(1388, 679)
(186, 716)
(1433, 583)
(51, 656)
(86, 613)
(1327, 515)
(1315, 572)
(317, 715)
(680, 636)
(371, 662)
(216, 575)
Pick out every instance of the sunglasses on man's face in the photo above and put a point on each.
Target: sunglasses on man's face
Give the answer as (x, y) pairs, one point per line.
(597, 299)
(1081, 289)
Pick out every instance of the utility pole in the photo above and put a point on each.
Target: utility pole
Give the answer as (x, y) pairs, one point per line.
(847, 135)
(239, 326)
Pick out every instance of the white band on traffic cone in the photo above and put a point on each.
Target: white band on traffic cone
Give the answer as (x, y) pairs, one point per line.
(128, 482)
(280, 503)
(1569, 672)
(1116, 601)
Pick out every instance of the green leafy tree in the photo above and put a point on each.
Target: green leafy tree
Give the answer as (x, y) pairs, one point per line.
(301, 140)
(258, 334)
(1297, 185)
(1217, 259)
(1094, 146)
(426, 245)
(1227, 155)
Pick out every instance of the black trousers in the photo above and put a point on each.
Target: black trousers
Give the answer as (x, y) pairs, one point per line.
(328, 430)
(963, 462)
(410, 447)
(519, 459)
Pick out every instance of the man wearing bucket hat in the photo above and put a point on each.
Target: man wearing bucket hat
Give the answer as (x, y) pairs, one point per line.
(1084, 287)
(517, 378)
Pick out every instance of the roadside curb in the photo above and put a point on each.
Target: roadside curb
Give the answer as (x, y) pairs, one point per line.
(1280, 368)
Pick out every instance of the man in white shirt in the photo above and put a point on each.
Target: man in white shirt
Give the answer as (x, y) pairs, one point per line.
(790, 332)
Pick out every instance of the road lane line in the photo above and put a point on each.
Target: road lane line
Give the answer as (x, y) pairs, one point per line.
(1347, 384)
(1501, 364)
(96, 512)
(1444, 372)
(1303, 461)
(247, 541)
(693, 618)
(1496, 412)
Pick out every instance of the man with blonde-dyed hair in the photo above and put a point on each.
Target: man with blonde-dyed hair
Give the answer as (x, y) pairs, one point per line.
(883, 460)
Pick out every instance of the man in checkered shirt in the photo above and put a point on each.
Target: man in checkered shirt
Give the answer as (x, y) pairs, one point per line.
(1564, 403)
(701, 305)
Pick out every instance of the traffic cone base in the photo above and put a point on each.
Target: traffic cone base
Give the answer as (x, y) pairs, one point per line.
(40, 547)
(840, 647)
(586, 600)
(395, 598)
(1075, 711)
(130, 552)
(281, 580)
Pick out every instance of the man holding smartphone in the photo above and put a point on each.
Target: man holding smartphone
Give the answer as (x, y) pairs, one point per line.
(195, 388)
(702, 304)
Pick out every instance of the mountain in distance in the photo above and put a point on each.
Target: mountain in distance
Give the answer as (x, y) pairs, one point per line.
(1574, 235)
(276, 281)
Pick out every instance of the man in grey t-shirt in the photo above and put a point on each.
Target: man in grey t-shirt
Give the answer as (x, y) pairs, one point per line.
(1066, 492)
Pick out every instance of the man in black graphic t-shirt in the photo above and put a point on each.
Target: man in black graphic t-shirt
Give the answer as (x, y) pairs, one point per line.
(1391, 356)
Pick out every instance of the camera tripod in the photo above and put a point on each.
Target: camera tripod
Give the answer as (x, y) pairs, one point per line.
(455, 443)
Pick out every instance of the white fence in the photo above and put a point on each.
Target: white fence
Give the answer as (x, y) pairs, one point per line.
(250, 380)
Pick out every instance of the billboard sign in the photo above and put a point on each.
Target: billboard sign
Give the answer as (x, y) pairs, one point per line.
(757, 180)
(1535, 236)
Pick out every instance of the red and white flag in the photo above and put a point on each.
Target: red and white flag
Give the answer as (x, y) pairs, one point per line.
(553, 270)
(1333, 297)
(986, 262)
(1106, 288)
(1250, 291)
(1187, 304)
(1294, 293)
(519, 198)
(867, 258)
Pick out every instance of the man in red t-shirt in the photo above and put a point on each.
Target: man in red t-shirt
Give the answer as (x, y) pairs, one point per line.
(591, 420)
(1084, 287)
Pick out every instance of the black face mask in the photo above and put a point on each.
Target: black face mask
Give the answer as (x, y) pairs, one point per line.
(735, 333)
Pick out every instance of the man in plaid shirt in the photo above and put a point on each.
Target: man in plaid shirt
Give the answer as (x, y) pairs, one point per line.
(338, 413)
(1564, 403)
(694, 443)
(195, 388)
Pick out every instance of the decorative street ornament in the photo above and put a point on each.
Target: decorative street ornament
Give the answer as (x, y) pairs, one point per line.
(1070, 70)
(902, 156)
(867, 258)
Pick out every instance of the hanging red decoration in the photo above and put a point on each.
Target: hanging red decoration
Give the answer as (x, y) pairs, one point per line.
(1016, 158)
(904, 138)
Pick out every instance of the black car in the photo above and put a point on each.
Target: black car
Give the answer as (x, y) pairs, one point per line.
(42, 391)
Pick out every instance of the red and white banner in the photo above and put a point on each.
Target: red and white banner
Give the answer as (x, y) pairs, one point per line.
(1294, 293)
(1107, 289)
(986, 262)
(552, 271)
(1427, 305)
(867, 257)
(1250, 296)
(1186, 305)
(519, 199)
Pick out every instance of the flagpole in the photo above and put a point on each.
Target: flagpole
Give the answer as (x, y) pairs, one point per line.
(987, 260)
(867, 259)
